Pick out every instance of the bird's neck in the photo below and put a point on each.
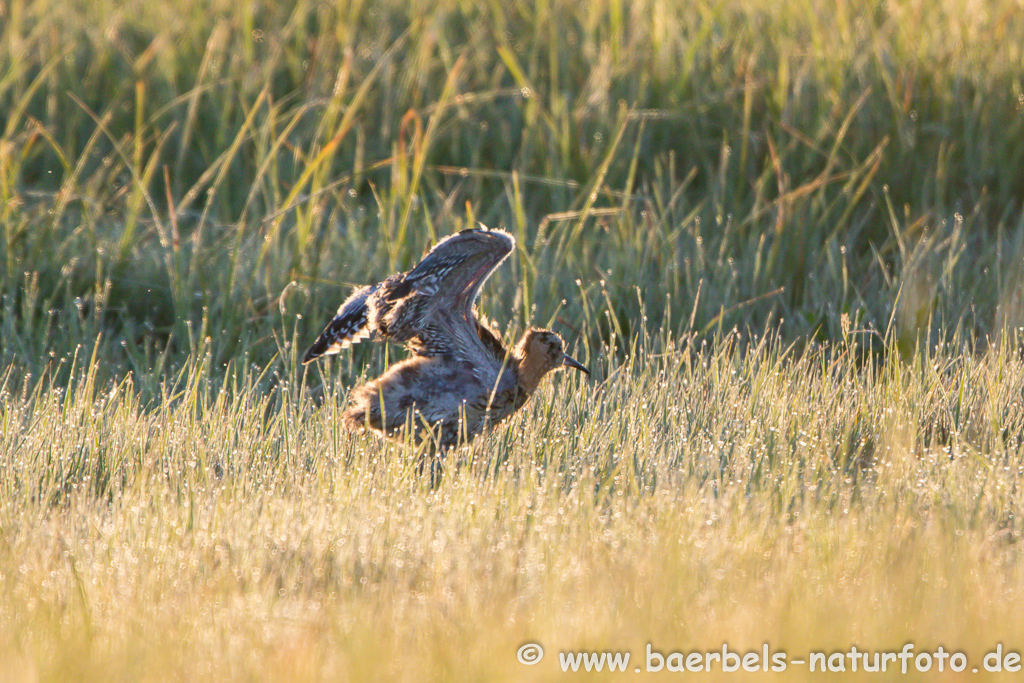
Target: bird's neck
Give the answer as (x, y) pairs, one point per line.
(529, 369)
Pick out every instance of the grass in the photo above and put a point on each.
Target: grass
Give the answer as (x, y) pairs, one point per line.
(714, 496)
(788, 241)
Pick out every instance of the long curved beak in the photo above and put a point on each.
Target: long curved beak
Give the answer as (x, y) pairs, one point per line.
(573, 363)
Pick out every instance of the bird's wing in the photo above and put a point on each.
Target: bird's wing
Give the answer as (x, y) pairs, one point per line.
(349, 326)
(430, 308)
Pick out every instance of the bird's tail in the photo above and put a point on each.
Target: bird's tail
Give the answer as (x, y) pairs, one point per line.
(349, 326)
(354, 418)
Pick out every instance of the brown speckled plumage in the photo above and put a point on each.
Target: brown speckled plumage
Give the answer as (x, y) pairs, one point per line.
(461, 379)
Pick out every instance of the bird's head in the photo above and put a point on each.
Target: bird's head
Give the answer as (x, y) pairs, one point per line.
(538, 353)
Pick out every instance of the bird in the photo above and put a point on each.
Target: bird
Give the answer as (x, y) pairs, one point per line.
(460, 380)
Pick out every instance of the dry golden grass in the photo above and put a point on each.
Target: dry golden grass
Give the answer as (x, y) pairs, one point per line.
(704, 498)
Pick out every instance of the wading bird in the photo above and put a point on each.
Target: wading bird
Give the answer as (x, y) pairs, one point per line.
(461, 379)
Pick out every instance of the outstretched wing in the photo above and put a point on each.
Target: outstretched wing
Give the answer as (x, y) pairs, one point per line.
(349, 326)
(431, 308)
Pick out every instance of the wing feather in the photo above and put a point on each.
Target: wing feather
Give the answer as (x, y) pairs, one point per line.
(429, 308)
(349, 326)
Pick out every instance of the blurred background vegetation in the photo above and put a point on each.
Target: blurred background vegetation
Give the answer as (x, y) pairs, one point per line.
(216, 175)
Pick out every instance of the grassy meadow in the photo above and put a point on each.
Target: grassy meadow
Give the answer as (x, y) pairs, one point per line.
(787, 239)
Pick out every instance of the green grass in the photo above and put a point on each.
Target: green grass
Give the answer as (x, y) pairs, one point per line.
(788, 241)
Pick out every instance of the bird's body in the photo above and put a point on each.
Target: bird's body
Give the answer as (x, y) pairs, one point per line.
(462, 379)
